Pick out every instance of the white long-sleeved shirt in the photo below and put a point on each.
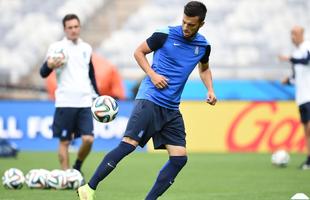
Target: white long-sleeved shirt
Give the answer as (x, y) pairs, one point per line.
(74, 87)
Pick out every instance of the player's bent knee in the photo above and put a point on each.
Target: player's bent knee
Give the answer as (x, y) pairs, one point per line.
(88, 139)
(176, 150)
(179, 161)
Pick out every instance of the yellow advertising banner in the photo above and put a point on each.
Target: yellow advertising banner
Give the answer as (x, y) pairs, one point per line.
(236, 126)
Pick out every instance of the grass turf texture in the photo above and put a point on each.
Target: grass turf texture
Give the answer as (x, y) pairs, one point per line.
(205, 177)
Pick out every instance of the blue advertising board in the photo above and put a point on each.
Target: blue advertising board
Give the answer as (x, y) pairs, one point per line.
(28, 125)
(233, 89)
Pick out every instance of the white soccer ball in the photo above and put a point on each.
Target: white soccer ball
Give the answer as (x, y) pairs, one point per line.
(59, 54)
(45, 174)
(74, 179)
(37, 178)
(280, 158)
(104, 109)
(13, 179)
(57, 179)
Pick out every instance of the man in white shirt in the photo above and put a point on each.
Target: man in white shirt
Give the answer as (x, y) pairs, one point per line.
(76, 85)
(300, 60)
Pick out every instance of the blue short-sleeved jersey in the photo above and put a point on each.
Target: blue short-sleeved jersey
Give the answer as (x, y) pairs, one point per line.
(175, 60)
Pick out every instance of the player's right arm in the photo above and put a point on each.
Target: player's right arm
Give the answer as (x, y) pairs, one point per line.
(50, 64)
(45, 70)
(140, 56)
(151, 44)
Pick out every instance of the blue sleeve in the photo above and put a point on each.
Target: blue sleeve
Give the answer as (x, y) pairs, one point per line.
(205, 58)
(45, 70)
(157, 40)
(303, 61)
(92, 76)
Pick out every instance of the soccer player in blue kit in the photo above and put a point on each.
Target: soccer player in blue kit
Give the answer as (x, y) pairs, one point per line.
(177, 51)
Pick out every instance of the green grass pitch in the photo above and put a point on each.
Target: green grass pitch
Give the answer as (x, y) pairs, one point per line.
(205, 177)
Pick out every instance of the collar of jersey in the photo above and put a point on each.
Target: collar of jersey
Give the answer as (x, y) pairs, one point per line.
(70, 41)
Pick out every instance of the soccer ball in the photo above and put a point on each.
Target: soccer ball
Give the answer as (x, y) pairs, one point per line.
(104, 109)
(280, 158)
(74, 179)
(13, 179)
(37, 178)
(57, 179)
(45, 174)
(59, 54)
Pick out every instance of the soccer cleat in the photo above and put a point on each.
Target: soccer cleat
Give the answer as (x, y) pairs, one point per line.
(86, 193)
(305, 166)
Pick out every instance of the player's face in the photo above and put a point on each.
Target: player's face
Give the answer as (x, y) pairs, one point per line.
(72, 29)
(190, 25)
(297, 36)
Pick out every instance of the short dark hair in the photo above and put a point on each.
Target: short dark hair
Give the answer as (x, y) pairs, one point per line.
(195, 8)
(69, 17)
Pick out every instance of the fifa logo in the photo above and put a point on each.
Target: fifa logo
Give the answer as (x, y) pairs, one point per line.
(196, 50)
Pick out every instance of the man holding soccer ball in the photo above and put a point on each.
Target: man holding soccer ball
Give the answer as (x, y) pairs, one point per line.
(76, 85)
(177, 50)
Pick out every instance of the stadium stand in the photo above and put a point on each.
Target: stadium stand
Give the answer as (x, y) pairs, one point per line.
(246, 36)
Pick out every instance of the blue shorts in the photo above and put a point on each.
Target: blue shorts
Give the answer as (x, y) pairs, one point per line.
(70, 123)
(304, 110)
(163, 125)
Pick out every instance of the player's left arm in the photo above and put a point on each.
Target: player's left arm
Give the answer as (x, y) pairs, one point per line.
(304, 61)
(206, 76)
(91, 75)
